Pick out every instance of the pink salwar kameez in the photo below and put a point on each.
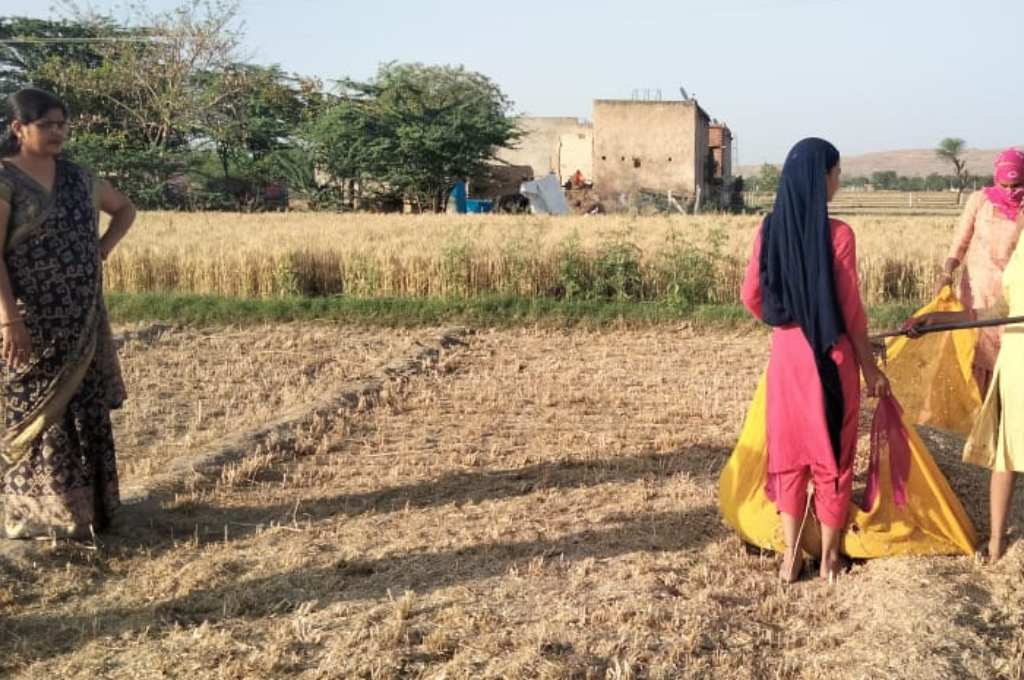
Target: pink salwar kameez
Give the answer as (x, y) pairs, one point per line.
(799, 446)
(984, 241)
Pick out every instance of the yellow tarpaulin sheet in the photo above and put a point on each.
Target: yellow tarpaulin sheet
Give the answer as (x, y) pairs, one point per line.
(932, 522)
(931, 375)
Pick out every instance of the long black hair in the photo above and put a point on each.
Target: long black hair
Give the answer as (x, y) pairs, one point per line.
(26, 106)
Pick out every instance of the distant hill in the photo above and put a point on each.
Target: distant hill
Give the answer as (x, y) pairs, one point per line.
(907, 162)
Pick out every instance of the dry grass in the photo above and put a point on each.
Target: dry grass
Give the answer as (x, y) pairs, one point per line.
(190, 388)
(381, 255)
(541, 506)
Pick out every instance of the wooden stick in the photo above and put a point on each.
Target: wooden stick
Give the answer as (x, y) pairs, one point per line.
(938, 328)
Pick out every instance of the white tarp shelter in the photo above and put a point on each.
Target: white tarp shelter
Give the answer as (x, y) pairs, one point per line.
(545, 196)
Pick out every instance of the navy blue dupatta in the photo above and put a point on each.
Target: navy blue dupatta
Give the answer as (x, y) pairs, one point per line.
(797, 273)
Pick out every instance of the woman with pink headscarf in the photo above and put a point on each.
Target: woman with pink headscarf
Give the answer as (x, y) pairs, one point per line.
(984, 241)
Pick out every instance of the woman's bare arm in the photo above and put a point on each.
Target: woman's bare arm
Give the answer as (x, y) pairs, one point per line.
(961, 241)
(17, 345)
(8, 308)
(122, 212)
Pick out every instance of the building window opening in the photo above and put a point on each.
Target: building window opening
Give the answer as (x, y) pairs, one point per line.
(636, 162)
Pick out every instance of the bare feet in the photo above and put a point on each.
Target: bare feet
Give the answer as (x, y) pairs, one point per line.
(996, 548)
(792, 565)
(831, 566)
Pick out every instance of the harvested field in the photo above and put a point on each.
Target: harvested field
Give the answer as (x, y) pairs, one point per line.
(540, 504)
(191, 388)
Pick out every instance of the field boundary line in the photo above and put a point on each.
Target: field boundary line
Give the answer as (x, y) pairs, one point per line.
(348, 395)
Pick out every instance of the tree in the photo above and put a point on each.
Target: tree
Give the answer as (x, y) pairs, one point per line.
(29, 44)
(147, 96)
(47, 54)
(977, 181)
(904, 183)
(767, 179)
(952, 149)
(935, 182)
(253, 132)
(150, 88)
(736, 202)
(349, 143)
(713, 184)
(164, 103)
(259, 116)
(887, 180)
(414, 129)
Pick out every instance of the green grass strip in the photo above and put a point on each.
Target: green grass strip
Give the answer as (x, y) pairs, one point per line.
(403, 312)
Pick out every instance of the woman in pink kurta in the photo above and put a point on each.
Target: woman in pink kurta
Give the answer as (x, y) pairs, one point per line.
(797, 434)
(985, 238)
(819, 348)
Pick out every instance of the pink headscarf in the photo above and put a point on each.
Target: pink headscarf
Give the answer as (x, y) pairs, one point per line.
(1009, 169)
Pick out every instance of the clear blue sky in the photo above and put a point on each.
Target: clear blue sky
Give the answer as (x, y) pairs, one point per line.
(870, 75)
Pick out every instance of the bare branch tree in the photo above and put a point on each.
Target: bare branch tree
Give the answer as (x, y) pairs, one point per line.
(952, 150)
(157, 84)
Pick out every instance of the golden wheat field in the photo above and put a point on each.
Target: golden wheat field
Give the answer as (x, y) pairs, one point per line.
(537, 503)
(652, 257)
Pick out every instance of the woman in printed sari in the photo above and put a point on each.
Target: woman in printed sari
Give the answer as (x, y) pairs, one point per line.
(984, 241)
(61, 376)
(997, 439)
(802, 280)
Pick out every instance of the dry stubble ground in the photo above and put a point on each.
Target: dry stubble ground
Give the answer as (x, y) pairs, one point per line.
(541, 505)
(191, 387)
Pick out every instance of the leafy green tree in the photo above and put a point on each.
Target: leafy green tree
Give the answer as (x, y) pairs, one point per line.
(904, 183)
(158, 90)
(153, 177)
(414, 130)
(979, 181)
(935, 182)
(350, 143)
(49, 54)
(886, 180)
(260, 115)
(29, 45)
(767, 178)
(149, 88)
(162, 101)
(952, 149)
(736, 202)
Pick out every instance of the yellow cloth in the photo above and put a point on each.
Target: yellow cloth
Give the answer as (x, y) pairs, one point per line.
(931, 375)
(997, 439)
(933, 522)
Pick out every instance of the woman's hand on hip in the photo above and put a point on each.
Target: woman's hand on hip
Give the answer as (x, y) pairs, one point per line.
(17, 344)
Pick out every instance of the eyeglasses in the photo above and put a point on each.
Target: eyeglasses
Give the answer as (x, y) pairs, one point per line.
(51, 125)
